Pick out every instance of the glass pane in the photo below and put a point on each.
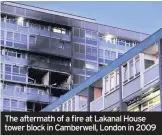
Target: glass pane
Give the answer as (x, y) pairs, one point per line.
(9, 35)
(8, 68)
(131, 70)
(82, 49)
(21, 104)
(6, 102)
(17, 37)
(22, 70)
(113, 55)
(88, 50)
(82, 33)
(32, 39)
(76, 47)
(100, 53)
(137, 66)
(16, 69)
(13, 103)
(94, 51)
(24, 38)
(2, 34)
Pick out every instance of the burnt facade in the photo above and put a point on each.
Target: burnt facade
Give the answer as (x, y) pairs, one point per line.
(45, 53)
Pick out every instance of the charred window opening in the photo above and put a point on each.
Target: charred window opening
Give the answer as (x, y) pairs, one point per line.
(35, 107)
(60, 83)
(58, 79)
(37, 76)
(57, 92)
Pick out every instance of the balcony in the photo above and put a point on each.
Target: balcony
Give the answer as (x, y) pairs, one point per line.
(49, 65)
(111, 98)
(97, 105)
(131, 87)
(104, 44)
(78, 40)
(51, 46)
(11, 59)
(25, 96)
(65, 37)
(37, 31)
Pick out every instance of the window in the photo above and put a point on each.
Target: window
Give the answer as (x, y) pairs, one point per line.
(2, 34)
(1, 68)
(7, 68)
(32, 39)
(112, 81)
(91, 35)
(11, 20)
(59, 30)
(107, 84)
(125, 72)
(131, 69)
(34, 25)
(107, 54)
(101, 53)
(73, 104)
(79, 64)
(113, 55)
(19, 88)
(137, 65)
(24, 38)
(117, 78)
(79, 48)
(110, 54)
(91, 65)
(149, 63)
(121, 42)
(79, 33)
(21, 104)
(15, 69)
(65, 107)
(13, 103)
(78, 79)
(10, 53)
(61, 45)
(6, 102)
(13, 53)
(9, 35)
(91, 51)
(17, 37)
(69, 105)
(82, 49)
(43, 27)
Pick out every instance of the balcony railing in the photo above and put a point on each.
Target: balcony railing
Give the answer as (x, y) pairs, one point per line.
(151, 74)
(97, 104)
(26, 96)
(37, 31)
(103, 43)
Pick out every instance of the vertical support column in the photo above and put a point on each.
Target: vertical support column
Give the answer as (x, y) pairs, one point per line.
(142, 68)
(72, 60)
(123, 106)
(160, 69)
(90, 97)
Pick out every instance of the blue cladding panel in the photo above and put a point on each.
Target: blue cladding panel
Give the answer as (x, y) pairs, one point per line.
(101, 60)
(91, 42)
(128, 55)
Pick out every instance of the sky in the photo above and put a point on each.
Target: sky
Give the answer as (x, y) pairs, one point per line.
(144, 17)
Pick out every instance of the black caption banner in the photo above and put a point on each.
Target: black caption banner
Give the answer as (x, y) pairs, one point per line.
(23, 123)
